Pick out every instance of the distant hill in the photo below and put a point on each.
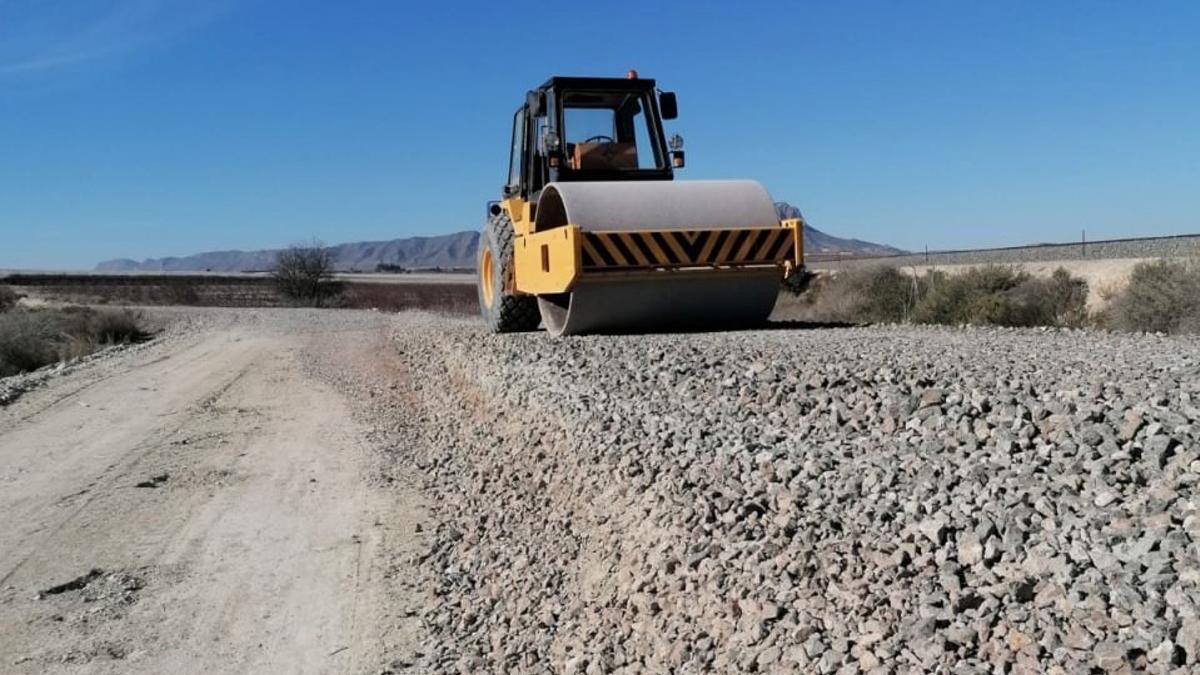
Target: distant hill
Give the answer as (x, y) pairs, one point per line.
(445, 251)
(817, 242)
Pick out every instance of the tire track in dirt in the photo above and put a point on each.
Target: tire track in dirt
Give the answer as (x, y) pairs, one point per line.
(211, 508)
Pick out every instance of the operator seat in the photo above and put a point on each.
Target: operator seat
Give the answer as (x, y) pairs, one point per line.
(604, 156)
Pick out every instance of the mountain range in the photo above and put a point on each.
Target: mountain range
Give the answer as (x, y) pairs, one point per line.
(447, 251)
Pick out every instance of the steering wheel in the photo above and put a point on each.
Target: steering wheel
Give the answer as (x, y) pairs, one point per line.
(600, 137)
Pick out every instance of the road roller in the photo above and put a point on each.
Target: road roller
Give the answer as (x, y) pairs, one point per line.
(593, 234)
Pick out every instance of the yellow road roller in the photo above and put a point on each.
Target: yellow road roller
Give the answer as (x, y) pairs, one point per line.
(594, 235)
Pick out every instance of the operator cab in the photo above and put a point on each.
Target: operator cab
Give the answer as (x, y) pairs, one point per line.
(592, 129)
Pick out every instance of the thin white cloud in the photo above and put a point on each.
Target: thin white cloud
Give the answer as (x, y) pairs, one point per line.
(38, 36)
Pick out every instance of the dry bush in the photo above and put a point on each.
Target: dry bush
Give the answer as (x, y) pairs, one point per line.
(33, 338)
(992, 295)
(8, 298)
(861, 295)
(24, 345)
(115, 327)
(1002, 296)
(1109, 290)
(448, 298)
(975, 296)
(1161, 296)
(304, 274)
(1060, 300)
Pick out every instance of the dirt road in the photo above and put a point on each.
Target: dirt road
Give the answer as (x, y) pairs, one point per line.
(204, 505)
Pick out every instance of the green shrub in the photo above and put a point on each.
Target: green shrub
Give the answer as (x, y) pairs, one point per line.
(1161, 296)
(33, 338)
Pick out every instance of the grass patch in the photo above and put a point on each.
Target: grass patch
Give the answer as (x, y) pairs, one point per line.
(33, 338)
(987, 295)
(1161, 296)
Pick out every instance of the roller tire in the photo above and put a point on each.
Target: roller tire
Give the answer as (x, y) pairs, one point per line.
(506, 313)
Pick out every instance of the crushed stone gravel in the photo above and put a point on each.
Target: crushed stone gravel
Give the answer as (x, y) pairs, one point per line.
(874, 500)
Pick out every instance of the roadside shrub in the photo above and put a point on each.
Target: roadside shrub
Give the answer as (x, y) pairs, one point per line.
(1161, 296)
(115, 327)
(304, 274)
(860, 295)
(23, 343)
(33, 338)
(992, 295)
(1002, 296)
(887, 294)
(976, 295)
(1060, 300)
(8, 298)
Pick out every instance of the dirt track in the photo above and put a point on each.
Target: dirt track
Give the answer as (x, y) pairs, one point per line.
(204, 505)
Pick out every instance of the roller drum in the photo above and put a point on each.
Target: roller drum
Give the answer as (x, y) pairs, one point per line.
(672, 299)
(663, 301)
(607, 206)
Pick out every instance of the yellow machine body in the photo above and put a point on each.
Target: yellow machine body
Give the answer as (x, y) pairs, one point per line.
(554, 260)
(594, 234)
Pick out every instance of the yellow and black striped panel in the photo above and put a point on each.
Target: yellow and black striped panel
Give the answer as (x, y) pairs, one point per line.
(686, 248)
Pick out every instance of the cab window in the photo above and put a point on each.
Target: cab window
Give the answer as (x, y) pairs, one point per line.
(609, 131)
(518, 148)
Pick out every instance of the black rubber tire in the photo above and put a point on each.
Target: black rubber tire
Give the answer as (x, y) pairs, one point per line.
(508, 313)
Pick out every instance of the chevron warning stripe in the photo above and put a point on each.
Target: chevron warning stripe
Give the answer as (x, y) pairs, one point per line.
(686, 248)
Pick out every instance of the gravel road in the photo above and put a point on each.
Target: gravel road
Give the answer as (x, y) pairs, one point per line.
(350, 492)
(886, 499)
(206, 503)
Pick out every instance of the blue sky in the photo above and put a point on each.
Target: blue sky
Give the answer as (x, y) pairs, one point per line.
(137, 128)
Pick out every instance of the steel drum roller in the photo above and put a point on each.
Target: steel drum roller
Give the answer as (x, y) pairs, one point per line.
(662, 299)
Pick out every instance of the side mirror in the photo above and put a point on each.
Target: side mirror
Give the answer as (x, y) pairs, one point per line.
(551, 146)
(550, 142)
(675, 142)
(668, 105)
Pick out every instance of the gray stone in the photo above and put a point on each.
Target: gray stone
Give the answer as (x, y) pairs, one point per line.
(970, 549)
(1188, 638)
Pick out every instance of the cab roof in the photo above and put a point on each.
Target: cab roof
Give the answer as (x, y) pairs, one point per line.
(618, 83)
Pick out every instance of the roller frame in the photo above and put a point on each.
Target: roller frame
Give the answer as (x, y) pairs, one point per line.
(553, 261)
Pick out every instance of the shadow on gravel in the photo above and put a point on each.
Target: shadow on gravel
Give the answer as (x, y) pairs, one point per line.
(786, 324)
(795, 324)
